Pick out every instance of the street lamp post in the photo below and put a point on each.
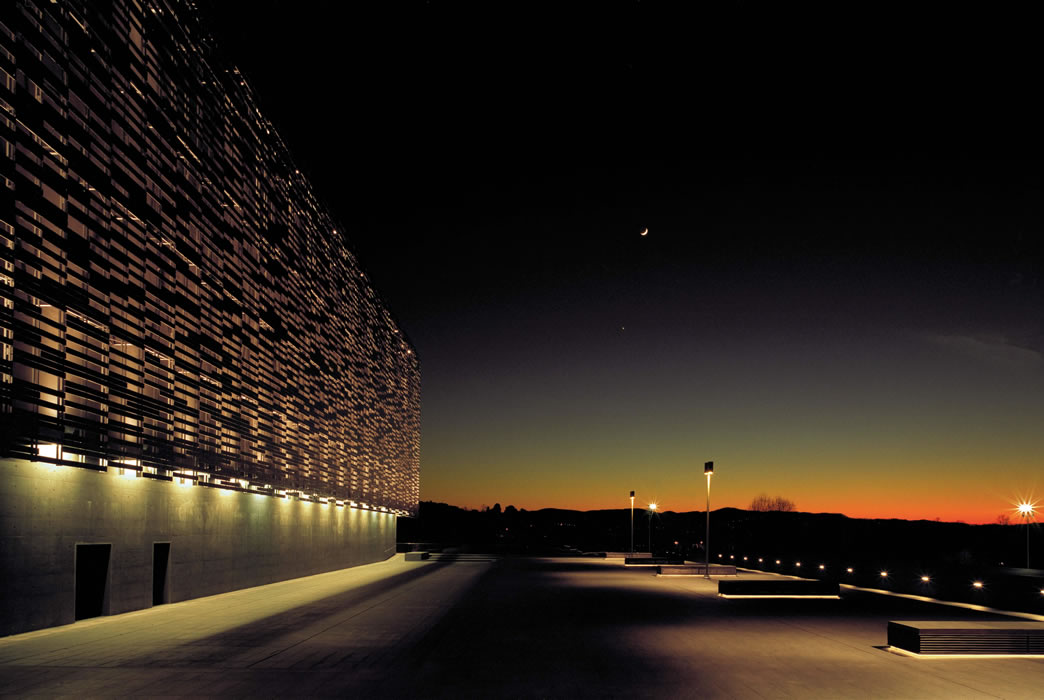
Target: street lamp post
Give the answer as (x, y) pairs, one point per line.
(652, 509)
(1026, 510)
(708, 469)
(632, 523)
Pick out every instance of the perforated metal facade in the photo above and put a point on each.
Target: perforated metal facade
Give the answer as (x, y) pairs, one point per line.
(175, 300)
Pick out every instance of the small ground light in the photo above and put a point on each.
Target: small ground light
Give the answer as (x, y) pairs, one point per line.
(797, 564)
(732, 556)
(744, 559)
(849, 569)
(926, 579)
(761, 560)
(884, 574)
(822, 566)
(777, 562)
(976, 584)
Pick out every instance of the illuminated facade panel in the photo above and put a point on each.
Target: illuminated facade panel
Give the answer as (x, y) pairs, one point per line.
(175, 299)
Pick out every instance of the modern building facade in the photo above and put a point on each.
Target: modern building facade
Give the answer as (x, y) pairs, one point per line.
(200, 390)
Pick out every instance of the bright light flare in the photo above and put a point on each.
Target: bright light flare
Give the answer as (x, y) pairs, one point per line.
(652, 506)
(1025, 507)
(976, 584)
(926, 579)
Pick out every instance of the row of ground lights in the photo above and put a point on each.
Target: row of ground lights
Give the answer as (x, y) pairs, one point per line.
(849, 570)
(191, 478)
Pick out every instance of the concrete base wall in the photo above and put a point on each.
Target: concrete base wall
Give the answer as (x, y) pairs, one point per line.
(220, 540)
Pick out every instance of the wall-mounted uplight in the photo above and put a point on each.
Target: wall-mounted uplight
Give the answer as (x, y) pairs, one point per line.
(49, 450)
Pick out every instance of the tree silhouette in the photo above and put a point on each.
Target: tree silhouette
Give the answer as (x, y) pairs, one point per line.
(764, 504)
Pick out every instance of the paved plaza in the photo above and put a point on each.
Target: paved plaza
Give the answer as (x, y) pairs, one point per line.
(515, 627)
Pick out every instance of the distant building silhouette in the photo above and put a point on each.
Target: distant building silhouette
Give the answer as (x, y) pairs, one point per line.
(199, 388)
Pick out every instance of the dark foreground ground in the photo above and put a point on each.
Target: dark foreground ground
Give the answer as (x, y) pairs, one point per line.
(518, 627)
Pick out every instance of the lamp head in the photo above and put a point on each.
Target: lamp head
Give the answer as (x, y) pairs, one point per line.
(708, 468)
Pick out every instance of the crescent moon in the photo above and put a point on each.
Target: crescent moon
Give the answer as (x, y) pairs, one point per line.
(645, 232)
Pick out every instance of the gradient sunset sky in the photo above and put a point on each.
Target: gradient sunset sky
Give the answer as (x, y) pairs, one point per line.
(838, 299)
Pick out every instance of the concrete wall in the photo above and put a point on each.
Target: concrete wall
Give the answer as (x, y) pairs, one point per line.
(221, 540)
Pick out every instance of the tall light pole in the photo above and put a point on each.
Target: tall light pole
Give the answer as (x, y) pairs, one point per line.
(1026, 511)
(632, 523)
(652, 509)
(708, 469)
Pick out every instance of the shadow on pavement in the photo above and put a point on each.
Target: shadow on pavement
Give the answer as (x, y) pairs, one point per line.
(263, 631)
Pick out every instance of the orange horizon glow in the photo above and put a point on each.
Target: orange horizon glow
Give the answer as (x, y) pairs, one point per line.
(971, 508)
(969, 517)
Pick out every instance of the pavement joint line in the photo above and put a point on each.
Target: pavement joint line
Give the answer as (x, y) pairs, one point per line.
(926, 599)
(951, 603)
(808, 630)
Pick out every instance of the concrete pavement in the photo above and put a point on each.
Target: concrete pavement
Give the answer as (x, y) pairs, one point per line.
(509, 628)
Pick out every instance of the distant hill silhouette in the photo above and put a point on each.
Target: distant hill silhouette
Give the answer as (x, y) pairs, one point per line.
(951, 555)
(734, 532)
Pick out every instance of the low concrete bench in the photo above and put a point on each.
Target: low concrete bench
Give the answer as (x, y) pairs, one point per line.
(417, 556)
(651, 561)
(778, 588)
(696, 570)
(967, 637)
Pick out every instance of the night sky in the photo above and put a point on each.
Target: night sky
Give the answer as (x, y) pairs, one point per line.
(839, 296)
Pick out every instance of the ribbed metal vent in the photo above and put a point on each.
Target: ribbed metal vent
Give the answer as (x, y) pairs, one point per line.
(971, 637)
